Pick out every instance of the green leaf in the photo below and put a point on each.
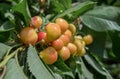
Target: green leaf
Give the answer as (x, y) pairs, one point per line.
(7, 26)
(82, 70)
(66, 3)
(96, 68)
(22, 8)
(77, 10)
(115, 36)
(98, 45)
(56, 7)
(61, 65)
(4, 7)
(36, 66)
(94, 64)
(4, 49)
(13, 71)
(102, 19)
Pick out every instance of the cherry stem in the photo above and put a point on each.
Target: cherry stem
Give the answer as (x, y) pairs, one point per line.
(3, 73)
(9, 56)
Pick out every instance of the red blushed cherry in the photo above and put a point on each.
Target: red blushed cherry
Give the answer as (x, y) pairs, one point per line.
(49, 55)
(57, 44)
(64, 53)
(36, 22)
(41, 35)
(65, 39)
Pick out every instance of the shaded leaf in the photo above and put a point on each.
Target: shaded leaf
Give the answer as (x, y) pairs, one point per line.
(13, 71)
(4, 7)
(94, 64)
(115, 36)
(7, 26)
(96, 68)
(98, 45)
(102, 19)
(22, 8)
(61, 65)
(36, 66)
(82, 71)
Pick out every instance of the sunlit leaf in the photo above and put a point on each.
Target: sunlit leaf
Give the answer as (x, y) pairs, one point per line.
(22, 8)
(13, 71)
(4, 49)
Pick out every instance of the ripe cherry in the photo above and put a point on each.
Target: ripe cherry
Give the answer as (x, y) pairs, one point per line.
(57, 44)
(73, 48)
(68, 33)
(28, 36)
(49, 55)
(88, 39)
(36, 22)
(65, 39)
(53, 31)
(42, 35)
(63, 24)
(72, 28)
(64, 53)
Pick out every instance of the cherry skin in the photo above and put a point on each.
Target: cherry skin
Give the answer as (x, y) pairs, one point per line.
(57, 44)
(63, 24)
(64, 53)
(28, 36)
(53, 31)
(36, 22)
(88, 39)
(49, 55)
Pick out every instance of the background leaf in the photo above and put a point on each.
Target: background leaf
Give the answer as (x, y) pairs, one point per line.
(7, 26)
(96, 68)
(82, 71)
(36, 66)
(4, 36)
(115, 36)
(102, 19)
(99, 44)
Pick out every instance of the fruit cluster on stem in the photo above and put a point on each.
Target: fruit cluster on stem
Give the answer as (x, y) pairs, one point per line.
(59, 36)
